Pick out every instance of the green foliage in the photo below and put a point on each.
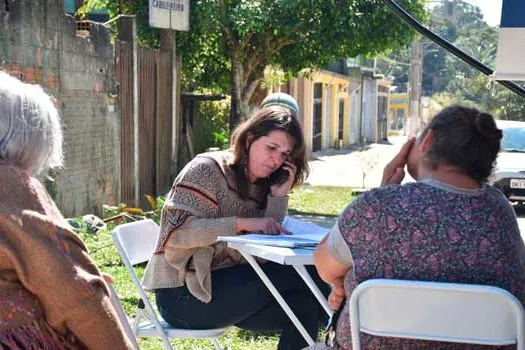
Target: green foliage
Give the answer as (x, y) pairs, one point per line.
(112, 7)
(448, 79)
(203, 63)
(450, 21)
(471, 87)
(475, 88)
(49, 181)
(210, 128)
(231, 42)
(292, 35)
(329, 30)
(320, 200)
(273, 78)
(147, 36)
(123, 213)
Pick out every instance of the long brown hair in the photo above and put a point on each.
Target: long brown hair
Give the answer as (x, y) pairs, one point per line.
(261, 124)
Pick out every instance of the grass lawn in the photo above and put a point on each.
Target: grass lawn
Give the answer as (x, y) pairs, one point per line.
(305, 201)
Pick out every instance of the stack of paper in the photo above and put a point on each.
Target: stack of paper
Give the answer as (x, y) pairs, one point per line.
(304, 234)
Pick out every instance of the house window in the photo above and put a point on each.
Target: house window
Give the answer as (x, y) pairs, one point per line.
(341, 118)
(318, 118)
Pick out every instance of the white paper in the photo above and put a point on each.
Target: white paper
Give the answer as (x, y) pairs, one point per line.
(304, 234)
(302, 229)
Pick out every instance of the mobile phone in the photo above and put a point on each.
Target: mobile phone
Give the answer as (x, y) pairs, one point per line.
(278, 177)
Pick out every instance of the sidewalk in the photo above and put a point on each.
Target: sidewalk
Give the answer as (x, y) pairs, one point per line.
(356, 167)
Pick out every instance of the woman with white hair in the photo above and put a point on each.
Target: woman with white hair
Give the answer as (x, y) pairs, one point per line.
(52, 294)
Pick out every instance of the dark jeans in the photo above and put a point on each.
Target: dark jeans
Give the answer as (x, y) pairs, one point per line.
(240, 298)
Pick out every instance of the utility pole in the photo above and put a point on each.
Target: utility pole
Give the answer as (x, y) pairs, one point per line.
(416, 77)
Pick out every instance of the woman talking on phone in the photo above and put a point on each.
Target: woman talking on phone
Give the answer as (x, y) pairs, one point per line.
(202, 284)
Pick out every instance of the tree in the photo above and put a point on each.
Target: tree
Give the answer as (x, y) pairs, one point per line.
(448, 79)
(450, 20)
(468, 85)
(147, 36)
(241, 38)
(231, 42)
(476, 88)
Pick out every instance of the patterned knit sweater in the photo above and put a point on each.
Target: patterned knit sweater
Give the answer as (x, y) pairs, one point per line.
(52, 296)
(203, 204)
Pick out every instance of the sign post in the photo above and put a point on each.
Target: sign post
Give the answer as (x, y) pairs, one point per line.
(170, 14)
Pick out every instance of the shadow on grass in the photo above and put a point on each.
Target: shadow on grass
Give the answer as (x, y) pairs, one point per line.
(254, 336)
(324, 220)
(300, 213)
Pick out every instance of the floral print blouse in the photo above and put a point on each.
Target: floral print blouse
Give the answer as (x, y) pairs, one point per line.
(430, 231)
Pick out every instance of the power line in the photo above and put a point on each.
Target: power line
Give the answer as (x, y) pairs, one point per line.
(398, 10)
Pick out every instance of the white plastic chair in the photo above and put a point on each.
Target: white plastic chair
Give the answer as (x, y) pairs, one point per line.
(450, 312)
(122, 316)
(135, 243)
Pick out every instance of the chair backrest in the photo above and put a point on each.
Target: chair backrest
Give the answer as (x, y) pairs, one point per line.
(450, 312)
(135, 242)
(137, 239)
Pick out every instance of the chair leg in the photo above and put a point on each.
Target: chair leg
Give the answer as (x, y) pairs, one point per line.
(130, 332)
(215, 342)
(137, 319)
(166, 342)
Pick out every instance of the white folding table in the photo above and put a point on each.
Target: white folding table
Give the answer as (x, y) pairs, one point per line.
(298, 258)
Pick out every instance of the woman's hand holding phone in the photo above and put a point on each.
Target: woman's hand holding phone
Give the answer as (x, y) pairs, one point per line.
(283, 188)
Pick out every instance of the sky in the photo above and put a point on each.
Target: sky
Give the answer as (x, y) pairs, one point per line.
(491, 10)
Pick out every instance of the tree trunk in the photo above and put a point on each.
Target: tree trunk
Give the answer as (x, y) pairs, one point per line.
(243, 87)
(235, 112)
(240, 104)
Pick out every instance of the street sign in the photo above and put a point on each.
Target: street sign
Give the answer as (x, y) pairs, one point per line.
(170, 14)
(510, 60)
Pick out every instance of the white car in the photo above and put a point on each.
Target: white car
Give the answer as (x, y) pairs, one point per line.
(509, 173)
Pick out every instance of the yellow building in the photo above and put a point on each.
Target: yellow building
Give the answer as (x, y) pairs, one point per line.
(323, 98)
(398, 115)
(340, 110)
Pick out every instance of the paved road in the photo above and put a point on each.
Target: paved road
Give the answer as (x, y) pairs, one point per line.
(356, 167)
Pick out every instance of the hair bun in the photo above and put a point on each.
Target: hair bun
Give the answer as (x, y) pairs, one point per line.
(486, 126)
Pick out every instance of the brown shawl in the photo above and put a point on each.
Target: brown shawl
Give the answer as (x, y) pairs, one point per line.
(51, 292)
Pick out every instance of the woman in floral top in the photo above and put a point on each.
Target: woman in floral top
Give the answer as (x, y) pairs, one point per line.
(449, 226)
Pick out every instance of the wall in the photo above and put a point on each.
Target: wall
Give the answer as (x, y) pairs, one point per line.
(370, 110)
(38, 44)
(29, 41)
(355, 96)
(92, 146)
